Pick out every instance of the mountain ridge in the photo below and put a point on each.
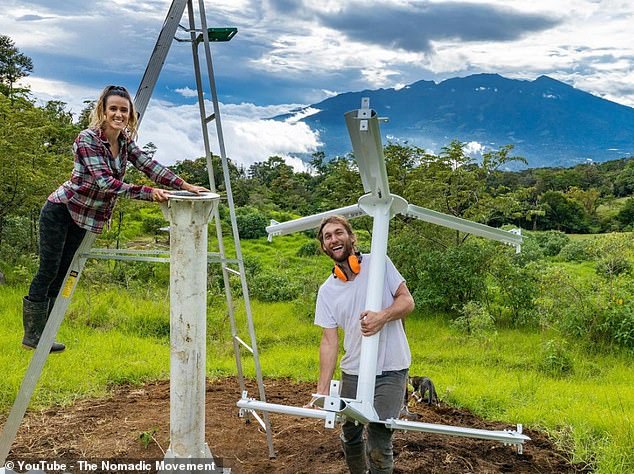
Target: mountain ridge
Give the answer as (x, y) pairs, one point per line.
(549, 122)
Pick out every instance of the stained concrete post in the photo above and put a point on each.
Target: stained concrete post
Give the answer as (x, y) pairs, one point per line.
(188, 215)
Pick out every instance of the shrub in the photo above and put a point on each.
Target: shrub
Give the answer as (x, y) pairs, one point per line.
(267, 286)
(251, 223)
(576, 251)
(613, 265)
(556, 359)
(152, 225)
(515, 290)
(531, 251)
(475, 320)
(446, 280)
(601, 312)
(618, 323)
(309, 249)
(18, 235)
(551, 241)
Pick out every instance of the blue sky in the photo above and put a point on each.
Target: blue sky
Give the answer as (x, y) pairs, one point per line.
(296, 52)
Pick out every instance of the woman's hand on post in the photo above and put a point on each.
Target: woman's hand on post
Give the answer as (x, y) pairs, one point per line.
(159, 195)
(194, 189)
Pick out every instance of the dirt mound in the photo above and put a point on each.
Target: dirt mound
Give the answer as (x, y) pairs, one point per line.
(133, 424)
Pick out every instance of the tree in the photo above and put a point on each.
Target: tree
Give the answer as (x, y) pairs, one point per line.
(563, 213)
(626, 214)
(13, 65)
(35, 156)
(84, 117)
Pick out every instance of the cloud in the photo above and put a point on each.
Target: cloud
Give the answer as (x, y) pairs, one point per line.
(299, 50)
(248, 137)
(186, 92)
(249, 133)
(412, 26)
(473, 149)
(31, 18)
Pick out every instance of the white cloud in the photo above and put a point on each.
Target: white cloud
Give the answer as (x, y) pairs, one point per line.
(248, 137)
(473, 149)
(72, 94)
(302, 114)
(186, 92)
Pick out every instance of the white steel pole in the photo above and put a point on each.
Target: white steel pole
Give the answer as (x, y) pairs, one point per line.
(188, 215)
(379, 209)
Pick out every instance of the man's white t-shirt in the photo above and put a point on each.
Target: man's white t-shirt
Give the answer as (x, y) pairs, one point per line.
(340, 304)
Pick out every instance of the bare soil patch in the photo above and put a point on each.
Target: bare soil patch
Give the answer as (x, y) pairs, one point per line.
(111, 428)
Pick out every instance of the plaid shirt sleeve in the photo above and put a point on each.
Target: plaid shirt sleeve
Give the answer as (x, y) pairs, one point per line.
(153, 169)
(89, 152)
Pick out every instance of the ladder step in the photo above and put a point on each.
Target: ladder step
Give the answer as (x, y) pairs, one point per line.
(210, 118)
(231, 270)
(244, 344)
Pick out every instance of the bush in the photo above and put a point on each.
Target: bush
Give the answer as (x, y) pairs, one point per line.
(446, 280)
(152, 225)
(267, 286)
(515, 290)
(618, 323)
(309, 249)
(576, 251)
(18, 235)
(551, 241)
(612, 266)
(475, 321)
(251, 224)
(600, 312)
(556, 359)
(531, 251)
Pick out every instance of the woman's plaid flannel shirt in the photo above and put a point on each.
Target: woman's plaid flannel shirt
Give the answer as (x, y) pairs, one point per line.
(97, 178)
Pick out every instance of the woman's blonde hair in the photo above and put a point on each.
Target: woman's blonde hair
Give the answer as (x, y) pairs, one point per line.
(98, 114)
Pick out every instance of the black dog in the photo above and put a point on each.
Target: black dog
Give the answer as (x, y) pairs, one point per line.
(422, 386)
(423, 390)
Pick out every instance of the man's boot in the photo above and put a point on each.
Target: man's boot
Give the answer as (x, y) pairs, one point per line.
(34, 317)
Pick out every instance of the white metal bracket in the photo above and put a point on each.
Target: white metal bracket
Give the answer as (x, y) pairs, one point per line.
(364, 113)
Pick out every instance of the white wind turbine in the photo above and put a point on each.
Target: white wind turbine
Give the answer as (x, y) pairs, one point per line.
(381, 205)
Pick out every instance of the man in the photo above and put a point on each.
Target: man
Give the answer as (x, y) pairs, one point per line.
(341, 304)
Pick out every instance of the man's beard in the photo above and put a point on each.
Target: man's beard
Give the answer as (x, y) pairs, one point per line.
(348, 250)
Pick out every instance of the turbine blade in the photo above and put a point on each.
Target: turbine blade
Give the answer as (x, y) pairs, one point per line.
(365, 135)
(311, 222)
(463, 225)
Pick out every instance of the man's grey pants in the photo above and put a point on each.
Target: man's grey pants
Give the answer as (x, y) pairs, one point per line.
(389, 392)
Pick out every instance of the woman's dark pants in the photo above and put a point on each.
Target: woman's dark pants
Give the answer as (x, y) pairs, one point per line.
(60, 238)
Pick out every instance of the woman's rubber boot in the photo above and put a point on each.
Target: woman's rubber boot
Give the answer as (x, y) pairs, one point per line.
(34, 316)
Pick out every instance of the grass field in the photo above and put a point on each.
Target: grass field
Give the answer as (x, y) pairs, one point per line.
(119, 334)
(114, 337)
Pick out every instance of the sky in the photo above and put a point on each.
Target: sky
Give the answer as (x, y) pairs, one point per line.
(292, 53)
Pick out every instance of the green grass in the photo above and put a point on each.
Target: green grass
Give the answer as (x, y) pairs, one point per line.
(590, 412)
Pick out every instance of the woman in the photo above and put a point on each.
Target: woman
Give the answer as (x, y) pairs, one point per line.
(85, 202)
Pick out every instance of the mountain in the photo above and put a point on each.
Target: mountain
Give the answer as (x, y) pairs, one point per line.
(549, 122)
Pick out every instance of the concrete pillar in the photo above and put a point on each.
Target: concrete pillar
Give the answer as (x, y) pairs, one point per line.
(188, 215)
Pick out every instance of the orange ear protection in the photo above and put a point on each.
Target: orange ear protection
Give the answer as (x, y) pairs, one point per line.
(354, 261)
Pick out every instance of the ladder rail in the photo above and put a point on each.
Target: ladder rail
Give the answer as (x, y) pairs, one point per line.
(212, 185)
(158, 56)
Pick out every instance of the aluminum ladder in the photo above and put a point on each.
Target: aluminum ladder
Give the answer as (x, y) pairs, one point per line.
(85, 251)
